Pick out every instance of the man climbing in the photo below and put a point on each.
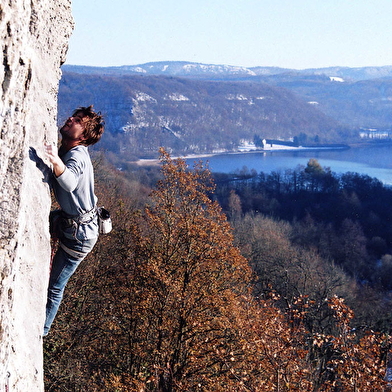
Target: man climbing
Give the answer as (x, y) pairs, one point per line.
(73, 185)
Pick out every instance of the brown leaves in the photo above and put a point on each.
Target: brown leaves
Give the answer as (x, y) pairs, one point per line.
(165, 303)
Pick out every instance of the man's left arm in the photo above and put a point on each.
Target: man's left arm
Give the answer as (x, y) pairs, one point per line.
(55, 160)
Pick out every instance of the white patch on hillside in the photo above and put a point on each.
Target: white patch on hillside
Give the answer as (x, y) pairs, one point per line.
(336, 79)
(236, 97)
(139, 69)
(176, 97)
(143, 97)
(128, 127)
(218, 69)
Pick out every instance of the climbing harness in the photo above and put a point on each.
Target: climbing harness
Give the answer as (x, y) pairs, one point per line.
(82, 219)
(60, 220)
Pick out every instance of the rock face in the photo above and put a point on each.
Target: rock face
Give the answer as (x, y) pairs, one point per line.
(34, 41)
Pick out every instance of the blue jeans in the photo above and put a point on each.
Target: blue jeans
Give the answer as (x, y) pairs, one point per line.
(63, 266)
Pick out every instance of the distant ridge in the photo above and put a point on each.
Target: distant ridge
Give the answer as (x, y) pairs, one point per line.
(211, 71)
(177, 68)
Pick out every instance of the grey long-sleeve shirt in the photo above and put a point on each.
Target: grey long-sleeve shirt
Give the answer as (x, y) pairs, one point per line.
(74, 189)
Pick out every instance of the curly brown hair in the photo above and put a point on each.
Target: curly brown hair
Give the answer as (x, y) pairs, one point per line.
(93, 123)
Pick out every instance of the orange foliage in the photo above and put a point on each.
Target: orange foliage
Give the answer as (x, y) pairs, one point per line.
(165, 304)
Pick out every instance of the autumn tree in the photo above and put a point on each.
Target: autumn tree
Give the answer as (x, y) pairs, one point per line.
(344, 360)
(235, 207)
(196, 278)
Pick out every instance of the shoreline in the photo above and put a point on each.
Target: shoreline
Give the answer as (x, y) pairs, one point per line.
(155, 161)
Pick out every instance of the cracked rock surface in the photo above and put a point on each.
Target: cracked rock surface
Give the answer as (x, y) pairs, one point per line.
(34, 42)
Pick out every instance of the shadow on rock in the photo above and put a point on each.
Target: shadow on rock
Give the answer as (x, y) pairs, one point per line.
(41, 165)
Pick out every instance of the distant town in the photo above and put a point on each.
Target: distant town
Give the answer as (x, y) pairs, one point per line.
(375, 134)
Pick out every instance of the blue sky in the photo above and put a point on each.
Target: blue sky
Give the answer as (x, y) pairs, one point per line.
(285, 33)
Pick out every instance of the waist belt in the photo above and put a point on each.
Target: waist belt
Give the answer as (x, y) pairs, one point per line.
(71, 252)
(82, 218)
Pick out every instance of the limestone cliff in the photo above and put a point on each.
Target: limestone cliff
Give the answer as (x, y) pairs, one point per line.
(34, 40)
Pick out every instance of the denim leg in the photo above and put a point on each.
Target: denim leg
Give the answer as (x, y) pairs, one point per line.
(63, 266)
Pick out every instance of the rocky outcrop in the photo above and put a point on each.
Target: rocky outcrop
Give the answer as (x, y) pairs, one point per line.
(34, 40)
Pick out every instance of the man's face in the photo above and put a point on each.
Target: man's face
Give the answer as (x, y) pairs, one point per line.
(73, 128)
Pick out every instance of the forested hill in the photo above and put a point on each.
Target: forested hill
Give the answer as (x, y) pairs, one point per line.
(356, 104)
(190, 116)
(354, 97)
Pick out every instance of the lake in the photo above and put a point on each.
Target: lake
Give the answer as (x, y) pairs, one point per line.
(374, 161)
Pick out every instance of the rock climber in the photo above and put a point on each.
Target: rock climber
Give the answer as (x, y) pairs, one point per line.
(76, 223)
